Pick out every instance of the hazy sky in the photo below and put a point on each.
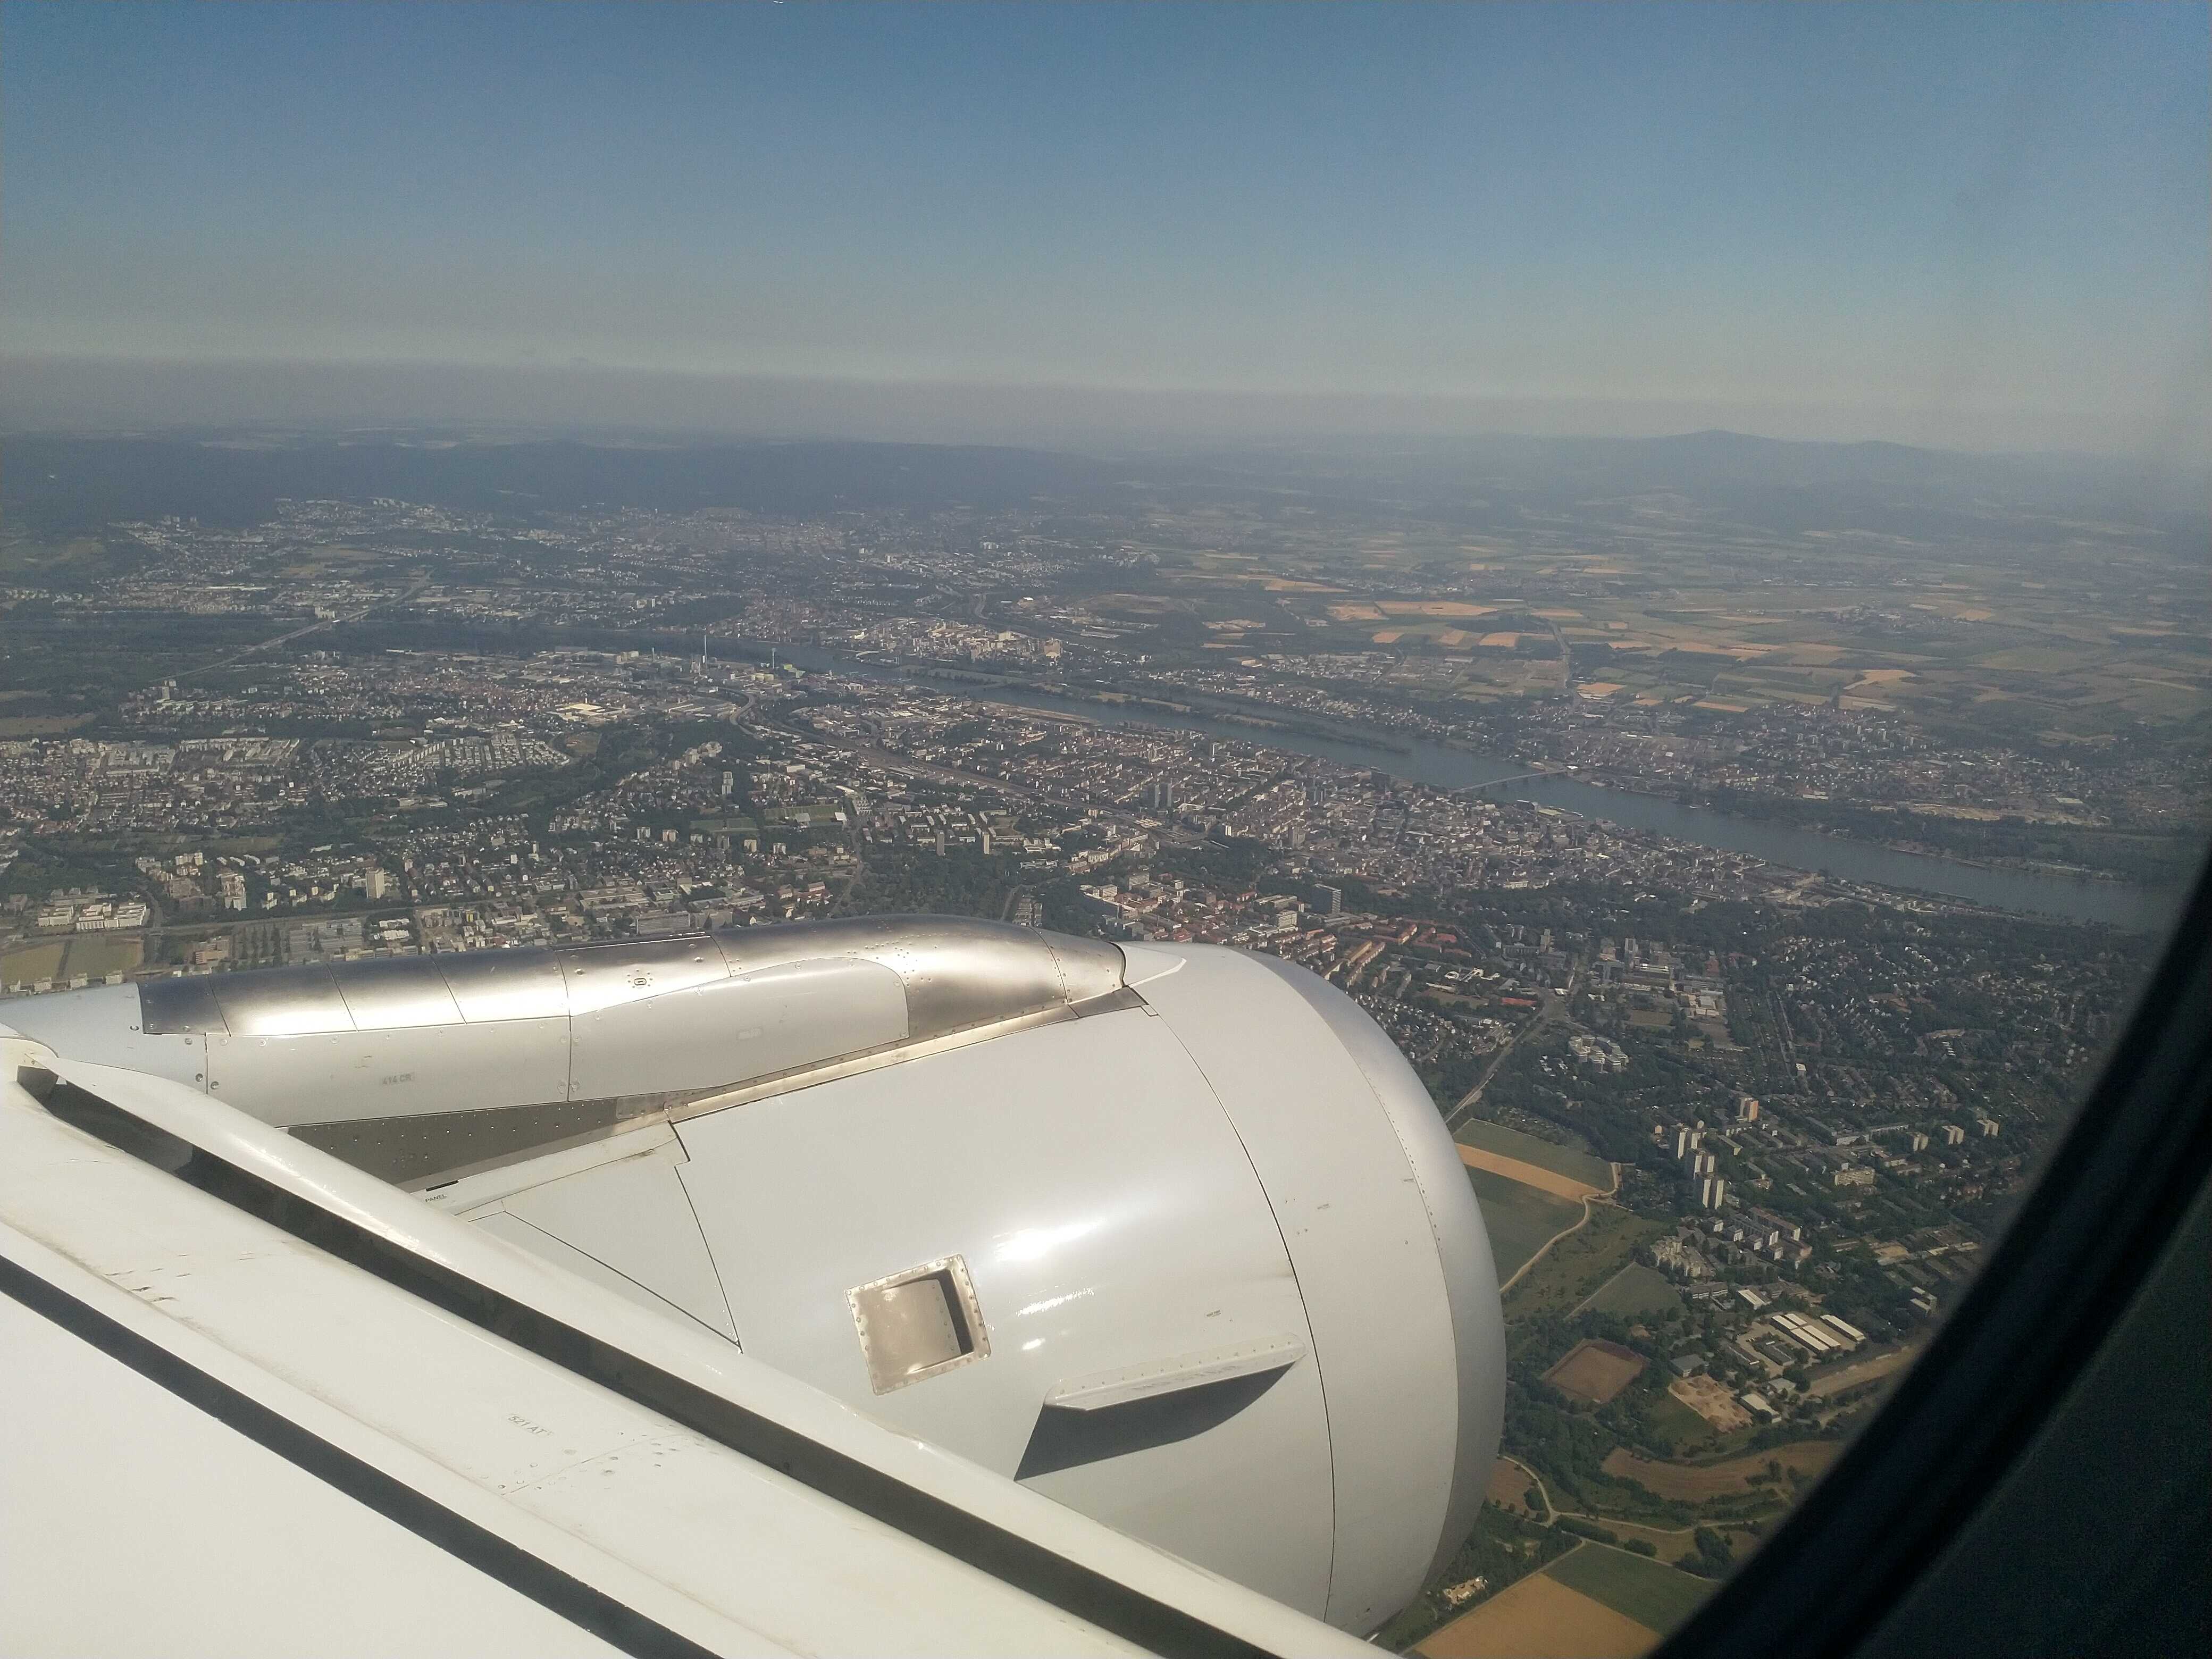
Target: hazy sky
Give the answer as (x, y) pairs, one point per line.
(1984, 224)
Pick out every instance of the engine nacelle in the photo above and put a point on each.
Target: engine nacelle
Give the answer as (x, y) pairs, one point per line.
(1172, 1234)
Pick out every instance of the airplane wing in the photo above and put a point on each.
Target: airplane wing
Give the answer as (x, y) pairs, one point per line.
(909, 1284)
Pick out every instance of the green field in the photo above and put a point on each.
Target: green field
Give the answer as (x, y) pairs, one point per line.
(48, 561)
(1559, 1160)
(1636, 1289)
(96, 954)
(1519, 1219)
(1659, 1597)
(1581, 1262)
(93, 954)
(28, 963)
(1670, 1417)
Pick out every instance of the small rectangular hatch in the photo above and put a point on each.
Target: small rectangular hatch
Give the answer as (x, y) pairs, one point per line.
(915, 1324)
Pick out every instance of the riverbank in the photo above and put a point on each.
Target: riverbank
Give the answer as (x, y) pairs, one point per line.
(2133, 906)
(2149, 907)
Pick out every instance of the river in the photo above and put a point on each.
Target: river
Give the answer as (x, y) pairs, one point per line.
(2122, 904)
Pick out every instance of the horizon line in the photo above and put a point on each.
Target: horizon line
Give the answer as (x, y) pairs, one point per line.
(1087, 413)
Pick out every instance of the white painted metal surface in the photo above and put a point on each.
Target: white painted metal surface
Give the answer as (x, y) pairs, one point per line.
(630, 1217)
(711, 1033)
(1455, 1223)
(134, 1524)
(104, 1022)
(615, 1497)
(388, 1038)
(1359, 1234)
(513, 1229)
(1108, 1218)
(344, 1077)
(1223, 1281)
(1149, 1379)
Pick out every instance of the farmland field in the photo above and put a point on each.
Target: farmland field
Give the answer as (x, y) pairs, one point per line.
(1676, 1543)
(33, 962)
(1486, 1136)
(1541, 1618)
(1659, 1597)
(1521, 1219)
(104, 953)
(1529, 1174)
(1694, 1483)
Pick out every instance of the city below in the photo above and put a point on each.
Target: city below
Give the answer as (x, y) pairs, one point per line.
(1755, 875)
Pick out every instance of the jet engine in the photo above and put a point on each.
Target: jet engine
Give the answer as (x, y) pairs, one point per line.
(1172, 1234)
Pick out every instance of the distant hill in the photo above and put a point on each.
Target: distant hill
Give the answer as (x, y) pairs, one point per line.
(1774, 483)
(54, 484)
(1698, 461)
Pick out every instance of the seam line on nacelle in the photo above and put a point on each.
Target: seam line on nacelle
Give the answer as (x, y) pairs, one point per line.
(713, 1266)
(1291, 1260)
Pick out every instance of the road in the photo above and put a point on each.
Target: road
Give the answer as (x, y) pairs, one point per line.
(1545, 1249)
(1870, 1369)
(1551, 1512)
(1566, 657)
(1553, 1515)
(1553, 1010)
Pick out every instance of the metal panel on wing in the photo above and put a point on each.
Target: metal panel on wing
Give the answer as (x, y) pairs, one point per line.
(499, 985)
(288, 1002)
(1106, 1217)
(632, 1215)
(712, 1032)
(340, 1077)
(397, 992)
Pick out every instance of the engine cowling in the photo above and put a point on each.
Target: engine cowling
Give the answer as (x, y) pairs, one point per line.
(1171, 1233)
